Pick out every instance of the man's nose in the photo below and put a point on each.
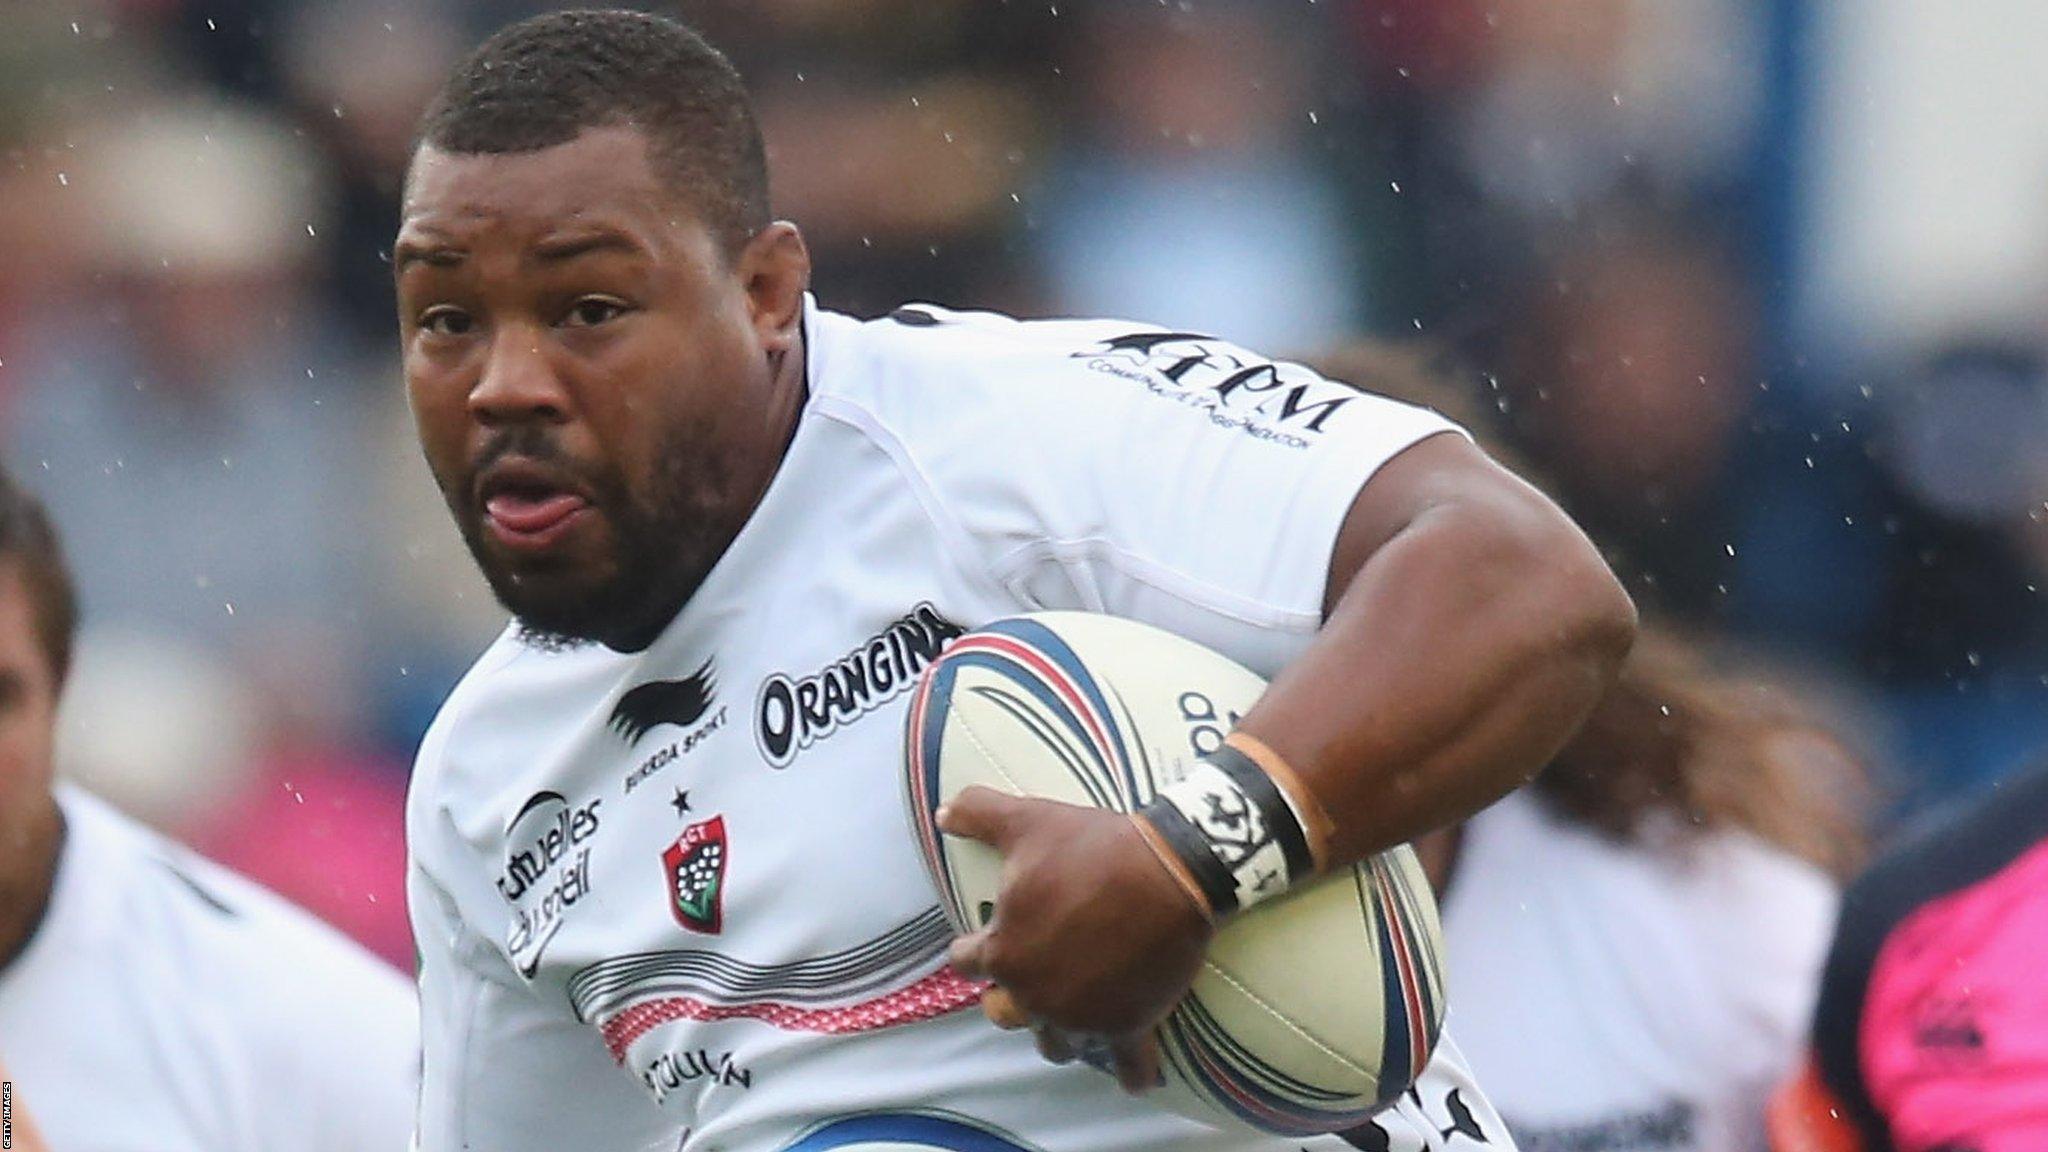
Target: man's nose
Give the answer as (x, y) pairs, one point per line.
(519, 384)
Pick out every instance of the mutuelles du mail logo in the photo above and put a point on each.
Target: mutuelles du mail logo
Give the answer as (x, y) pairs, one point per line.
(546, 871)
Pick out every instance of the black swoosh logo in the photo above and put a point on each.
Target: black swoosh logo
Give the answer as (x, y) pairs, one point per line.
(657, 702)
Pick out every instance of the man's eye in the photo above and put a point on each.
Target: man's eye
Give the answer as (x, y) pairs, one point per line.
(444, 320)
(592, 311)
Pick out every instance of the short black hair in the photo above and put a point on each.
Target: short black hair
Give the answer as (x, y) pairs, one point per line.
(544, 80)
(27, 538)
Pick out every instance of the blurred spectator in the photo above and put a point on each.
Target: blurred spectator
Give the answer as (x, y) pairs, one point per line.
(1580, 98)
(1960, 637)
(359, 75)
(1629, 369)
(1498, 122)
(199, 436)
(1189, 195)
(901, 135)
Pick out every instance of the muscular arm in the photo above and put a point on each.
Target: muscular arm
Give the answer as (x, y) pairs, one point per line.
(1470, 627)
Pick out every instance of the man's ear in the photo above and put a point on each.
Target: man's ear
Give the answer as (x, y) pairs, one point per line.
(776, 269)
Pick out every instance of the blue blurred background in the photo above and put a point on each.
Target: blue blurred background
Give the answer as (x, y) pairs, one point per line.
(1761, 286)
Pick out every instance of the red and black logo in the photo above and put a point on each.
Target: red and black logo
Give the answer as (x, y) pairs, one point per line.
(695, 866)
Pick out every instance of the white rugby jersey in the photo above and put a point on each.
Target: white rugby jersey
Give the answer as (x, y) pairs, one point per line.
(673, 898)
(1617, 998)
(165, 1004)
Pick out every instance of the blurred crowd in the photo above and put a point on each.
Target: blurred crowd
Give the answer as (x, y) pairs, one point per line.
(1597, 217)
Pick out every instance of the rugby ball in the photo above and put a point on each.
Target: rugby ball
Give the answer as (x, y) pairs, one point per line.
(1311, 1012)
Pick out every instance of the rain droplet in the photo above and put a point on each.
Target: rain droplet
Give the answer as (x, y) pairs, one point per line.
(1312, 118)
(63, 179)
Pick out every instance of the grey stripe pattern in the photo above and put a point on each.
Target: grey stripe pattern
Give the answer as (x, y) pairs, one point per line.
(604, 987)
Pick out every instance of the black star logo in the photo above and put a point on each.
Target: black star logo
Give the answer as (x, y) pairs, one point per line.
(682, 802)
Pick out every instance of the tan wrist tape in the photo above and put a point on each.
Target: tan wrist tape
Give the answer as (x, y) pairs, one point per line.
(1316, 823)
(1173, 865)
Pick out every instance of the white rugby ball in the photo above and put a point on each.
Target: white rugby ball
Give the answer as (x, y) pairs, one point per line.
(1312, 1011)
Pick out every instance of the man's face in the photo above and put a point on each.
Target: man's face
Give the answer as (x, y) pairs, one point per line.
(28, 701)
(580, 359)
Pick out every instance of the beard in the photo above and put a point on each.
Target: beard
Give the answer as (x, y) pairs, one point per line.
(658, 546)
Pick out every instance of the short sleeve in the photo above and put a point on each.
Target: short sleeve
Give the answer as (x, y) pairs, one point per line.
(1170, 478)
(1215, 534)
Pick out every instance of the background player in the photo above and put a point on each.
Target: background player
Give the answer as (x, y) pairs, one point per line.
(1929, 1033)
(1657, 904)
(674, 468)
(148, 998)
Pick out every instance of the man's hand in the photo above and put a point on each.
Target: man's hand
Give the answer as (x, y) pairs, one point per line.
(1091, 935)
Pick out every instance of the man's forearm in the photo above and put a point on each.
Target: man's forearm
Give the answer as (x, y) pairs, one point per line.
(1461, 656)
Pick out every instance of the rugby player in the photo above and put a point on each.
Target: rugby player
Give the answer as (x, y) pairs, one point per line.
(150, 998)
(663, 881)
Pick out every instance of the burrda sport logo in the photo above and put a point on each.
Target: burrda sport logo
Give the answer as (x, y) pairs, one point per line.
(790, 714)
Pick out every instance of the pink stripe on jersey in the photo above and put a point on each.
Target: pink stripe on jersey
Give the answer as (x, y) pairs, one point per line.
(942, 992)
(1954, 1043)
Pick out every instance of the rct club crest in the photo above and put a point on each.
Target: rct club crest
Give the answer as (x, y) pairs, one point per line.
(695, 864)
